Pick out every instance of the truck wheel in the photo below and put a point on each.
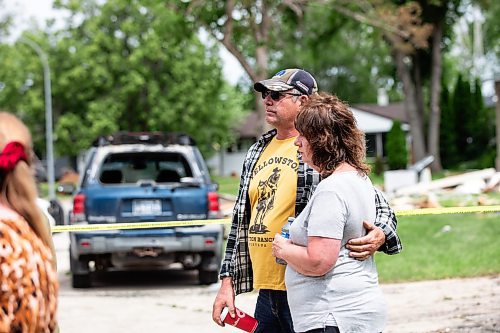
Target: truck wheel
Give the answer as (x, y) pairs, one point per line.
(81, 281)
(80, 274)
(208, 277)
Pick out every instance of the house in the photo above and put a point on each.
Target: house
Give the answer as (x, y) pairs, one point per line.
(374, 119)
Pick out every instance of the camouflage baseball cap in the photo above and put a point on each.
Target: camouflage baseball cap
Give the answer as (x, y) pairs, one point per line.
(287, 79)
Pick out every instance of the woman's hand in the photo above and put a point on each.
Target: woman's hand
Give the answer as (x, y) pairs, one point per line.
(280, 243)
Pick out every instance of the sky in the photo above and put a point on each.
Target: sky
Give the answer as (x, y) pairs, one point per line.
(26, 12)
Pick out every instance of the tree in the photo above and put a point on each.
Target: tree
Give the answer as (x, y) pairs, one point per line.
(462, 106)
(22, 91)
(250, 30)
(491, 10)
(346, 58)
(467, 128)
(5, 20)
(426, 23)
(416, 32)
(480, 125)
(129, 65)
(448, 135)
(150, 71)
(477, 126)
(395, 146)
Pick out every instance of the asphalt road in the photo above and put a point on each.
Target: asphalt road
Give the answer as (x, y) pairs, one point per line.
(172, 301)
(150, 301)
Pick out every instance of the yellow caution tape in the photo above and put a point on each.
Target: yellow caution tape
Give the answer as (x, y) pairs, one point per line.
(135, 225)
(165, 224)
(448, 210)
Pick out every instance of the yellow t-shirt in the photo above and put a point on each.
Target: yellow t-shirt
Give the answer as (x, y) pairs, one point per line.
(272, 195)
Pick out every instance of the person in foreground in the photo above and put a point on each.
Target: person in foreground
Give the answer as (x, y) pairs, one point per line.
(28, 278)
(328, 291)
(276, 184)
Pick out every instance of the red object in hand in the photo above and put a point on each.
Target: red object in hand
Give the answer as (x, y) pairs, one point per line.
(242, 320)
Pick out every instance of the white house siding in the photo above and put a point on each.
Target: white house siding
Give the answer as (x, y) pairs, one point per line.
(226, 164)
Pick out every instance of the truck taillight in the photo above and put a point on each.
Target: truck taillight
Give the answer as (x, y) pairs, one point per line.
(213, 205)
(78, 208)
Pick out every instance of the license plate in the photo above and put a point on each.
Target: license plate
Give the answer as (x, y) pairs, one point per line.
(147, 251)
(146, 207)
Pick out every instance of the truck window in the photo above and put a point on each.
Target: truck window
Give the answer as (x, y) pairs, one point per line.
(128, 168)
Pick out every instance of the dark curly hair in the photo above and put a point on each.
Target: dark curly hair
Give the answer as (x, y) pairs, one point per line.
(330, 128)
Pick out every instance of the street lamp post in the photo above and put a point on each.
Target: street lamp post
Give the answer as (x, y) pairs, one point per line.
(48, 114)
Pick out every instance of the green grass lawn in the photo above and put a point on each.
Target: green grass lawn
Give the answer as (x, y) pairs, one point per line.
(468, 249)
(228, 185)
(376, 179)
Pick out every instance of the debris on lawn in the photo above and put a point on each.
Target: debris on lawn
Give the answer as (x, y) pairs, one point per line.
(467, 189)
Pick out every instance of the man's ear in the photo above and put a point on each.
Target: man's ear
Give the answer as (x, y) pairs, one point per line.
(303, 99)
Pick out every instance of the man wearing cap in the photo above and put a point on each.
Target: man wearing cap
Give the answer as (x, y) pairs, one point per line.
(274, 185)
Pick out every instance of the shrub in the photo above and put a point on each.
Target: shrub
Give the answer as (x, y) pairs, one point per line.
(395, 146)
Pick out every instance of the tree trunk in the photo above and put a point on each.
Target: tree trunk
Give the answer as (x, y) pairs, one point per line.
(416, 126)
(261, 57)
(435, 116)
(260, 33)
(419, 94)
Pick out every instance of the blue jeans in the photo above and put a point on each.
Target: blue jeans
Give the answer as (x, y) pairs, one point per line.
(272, 312)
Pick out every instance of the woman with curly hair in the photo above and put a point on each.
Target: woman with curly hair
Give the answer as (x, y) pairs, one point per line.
(28, 278)
(328, 291)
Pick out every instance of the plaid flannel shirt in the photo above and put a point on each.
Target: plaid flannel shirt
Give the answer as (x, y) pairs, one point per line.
(237, 264)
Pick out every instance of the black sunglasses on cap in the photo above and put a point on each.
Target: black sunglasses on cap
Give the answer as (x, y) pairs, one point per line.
(276, 95)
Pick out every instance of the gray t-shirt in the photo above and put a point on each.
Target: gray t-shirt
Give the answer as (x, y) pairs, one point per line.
(348, 295)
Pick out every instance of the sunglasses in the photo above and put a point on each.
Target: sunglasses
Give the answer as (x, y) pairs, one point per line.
(276, 95)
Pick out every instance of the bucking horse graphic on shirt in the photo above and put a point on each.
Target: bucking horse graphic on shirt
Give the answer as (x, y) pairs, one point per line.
(267, 190)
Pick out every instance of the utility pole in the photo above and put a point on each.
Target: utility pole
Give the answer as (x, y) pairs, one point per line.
(48, 114)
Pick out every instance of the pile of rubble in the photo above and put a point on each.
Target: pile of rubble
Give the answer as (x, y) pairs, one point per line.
(408, 189)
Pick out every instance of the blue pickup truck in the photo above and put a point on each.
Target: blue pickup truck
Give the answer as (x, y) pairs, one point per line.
(145, 177)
